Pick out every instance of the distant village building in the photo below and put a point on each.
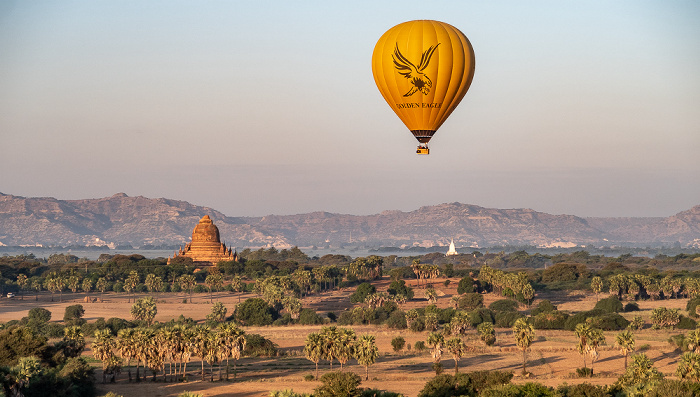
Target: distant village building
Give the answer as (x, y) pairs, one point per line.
(452, 250)
(206, 247)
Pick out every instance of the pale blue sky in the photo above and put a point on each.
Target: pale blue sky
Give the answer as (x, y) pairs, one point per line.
(269, 107)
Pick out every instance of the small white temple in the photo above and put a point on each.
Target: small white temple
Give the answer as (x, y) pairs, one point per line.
(452, 250)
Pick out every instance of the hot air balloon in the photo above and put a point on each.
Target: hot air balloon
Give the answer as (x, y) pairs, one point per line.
(423, 69)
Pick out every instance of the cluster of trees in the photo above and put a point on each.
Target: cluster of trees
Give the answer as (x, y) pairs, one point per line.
(341, 344)
(633, 286)
(29, 366)
(154, 347)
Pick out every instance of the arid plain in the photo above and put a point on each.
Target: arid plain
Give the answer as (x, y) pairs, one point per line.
(552, 359)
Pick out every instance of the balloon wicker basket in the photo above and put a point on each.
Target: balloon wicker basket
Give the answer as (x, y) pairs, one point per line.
(422, 150)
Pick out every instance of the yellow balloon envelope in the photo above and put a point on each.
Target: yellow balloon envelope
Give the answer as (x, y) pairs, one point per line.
(423, 69)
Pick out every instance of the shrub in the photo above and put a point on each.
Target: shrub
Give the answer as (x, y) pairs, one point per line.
(345, 318)
(609, 305)
(309, 377)
(255, 311)
(39, 314)
(583, 390)
(564, 272)
(691, 306)
(610, 322)
(338, 384)
(504, 305)
(687, 323)
(419, 346)
(584, 372)
(418, 325)
(116, 324)
(258, 346)
(550, 320)
(399, 287)
(444, 385)
(471, 301)
(398, 343)
(19, 342)
(466, 384)
(581, 317)
(466, 285)
(544, 306)
(679, 342)
(309, 317)
(396, 320)
(529, 389)
(286, 319)
(506, 319)
(631, 307)
(481, 380)
(379, 393)
(361, 292)
(675, 388)
(479, 316)
(637, 323)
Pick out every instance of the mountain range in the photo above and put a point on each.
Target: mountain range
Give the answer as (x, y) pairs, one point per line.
(138, 221)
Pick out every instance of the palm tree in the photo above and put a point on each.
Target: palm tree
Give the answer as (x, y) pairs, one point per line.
(156, 353)
(187, 350)
(524, 334)
(436, 341)
(73, 283)
(187, 283)
(101, 285)
(457, 348)
(141, 340)
(36, 286)
(212, 353)
(528, 293)
(431, 295)
(589, 340)
(168, 344)
(346, 345)
(313, 349)
(131, 283)
(597, 286)
(331, 343)
(460, 323)
(689, 366)
(22, 284)
(144, 310)
(125, 346)
(625, 341)
(693, 339)
(87, 285)
(486, 333)
(102, 349)
(199, 344)
(366, 352)
(237, 285)
(74, 341)
(214, 281)
(233, 341)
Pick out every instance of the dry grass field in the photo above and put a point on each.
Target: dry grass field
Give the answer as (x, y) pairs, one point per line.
(552, 358)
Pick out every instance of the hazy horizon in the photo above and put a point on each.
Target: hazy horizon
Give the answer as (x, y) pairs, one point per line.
(258, 108)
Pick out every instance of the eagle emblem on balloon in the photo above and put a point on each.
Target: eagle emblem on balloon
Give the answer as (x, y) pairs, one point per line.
(419, 80)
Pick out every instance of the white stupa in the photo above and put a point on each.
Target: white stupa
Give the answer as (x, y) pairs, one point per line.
(452, 250)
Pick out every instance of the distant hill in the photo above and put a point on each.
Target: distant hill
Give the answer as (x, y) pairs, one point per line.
(121, 219)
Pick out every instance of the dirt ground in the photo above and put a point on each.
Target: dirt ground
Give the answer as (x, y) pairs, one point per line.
(551, 360)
